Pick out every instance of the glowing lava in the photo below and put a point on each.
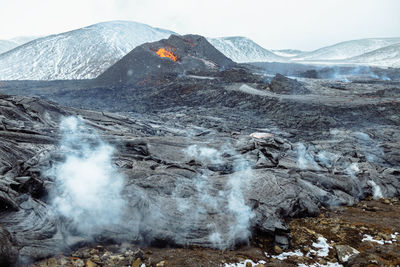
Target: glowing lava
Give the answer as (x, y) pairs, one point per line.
(162, 52)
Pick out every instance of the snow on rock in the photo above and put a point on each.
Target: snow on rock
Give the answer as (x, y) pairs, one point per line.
(381, 241)
(328, 264)
(344, 252)
(243, 264)
(285, 255)
(371, 239)
(80, 54)
(322, 248)
(242, 49)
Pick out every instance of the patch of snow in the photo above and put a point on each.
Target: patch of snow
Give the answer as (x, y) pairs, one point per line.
(322, 248)
(201, 77)
(394, 236)
(243, 264)
(328, 264)
(371, 239)
(285, 255)
(259, 135)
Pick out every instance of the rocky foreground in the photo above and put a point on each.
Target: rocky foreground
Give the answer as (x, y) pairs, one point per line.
(366, 234)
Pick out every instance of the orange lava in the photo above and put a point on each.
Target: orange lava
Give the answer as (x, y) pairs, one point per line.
(162, 52)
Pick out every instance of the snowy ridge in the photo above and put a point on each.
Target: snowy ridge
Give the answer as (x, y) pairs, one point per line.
(288, 52)
(242, 49)
(6, 45)
(348, 49)
(388, 56)
(80, 54)
(20, 40)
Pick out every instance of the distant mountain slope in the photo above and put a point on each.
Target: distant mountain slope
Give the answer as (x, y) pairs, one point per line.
(388, 56)
(6, 45)
(79, 54)
(348, 49)
(24, 39)
(288, 52)
(242, 49)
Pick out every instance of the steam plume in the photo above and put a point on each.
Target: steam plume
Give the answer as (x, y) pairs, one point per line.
(88, 185)
(229, 202)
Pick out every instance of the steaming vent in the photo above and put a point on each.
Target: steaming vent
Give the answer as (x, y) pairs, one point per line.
(162, 52)
(89, 187)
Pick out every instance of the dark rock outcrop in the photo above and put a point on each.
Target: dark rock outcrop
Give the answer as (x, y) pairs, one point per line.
(8, 253)
(283, 85)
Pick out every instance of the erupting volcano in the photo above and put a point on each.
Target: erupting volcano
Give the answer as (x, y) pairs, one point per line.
(162, 52)
(146, 64)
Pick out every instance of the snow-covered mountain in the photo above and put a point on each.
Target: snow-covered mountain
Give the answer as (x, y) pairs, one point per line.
(6, 45)
(287, 52)
(80, 54)
(24, 39)
(242, 49)
(347, 49)
(388, 56)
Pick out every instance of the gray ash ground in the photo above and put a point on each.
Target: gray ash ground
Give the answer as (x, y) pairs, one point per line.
(218, 165)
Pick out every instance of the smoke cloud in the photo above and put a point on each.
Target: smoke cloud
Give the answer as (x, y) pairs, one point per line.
(88, 186)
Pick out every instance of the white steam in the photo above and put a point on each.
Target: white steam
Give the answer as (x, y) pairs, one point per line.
(376, 190)
(369, 147)
(88, 185)
(227, 204)
(304, 159)
(242, 213)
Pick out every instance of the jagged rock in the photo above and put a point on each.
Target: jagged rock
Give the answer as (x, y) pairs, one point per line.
(277, 250)
(239, 75)
(137, 263)
(161, 264)
(89, 263)
(8, 254)
(365, 259)
(282, 241)
(344, 252)
(283, 85)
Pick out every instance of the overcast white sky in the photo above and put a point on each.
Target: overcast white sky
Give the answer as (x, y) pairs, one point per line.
(274, 24)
